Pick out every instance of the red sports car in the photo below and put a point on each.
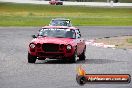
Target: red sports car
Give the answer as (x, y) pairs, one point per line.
(56, 2)
(57, 42)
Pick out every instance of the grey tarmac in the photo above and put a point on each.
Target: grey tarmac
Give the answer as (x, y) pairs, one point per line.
(15, 72)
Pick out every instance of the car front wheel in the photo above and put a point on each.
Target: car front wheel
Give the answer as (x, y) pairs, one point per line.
(73, 59)
(82, 56)
(31, 59)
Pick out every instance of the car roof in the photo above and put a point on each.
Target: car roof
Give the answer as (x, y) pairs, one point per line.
(65, 27)
(61, 19)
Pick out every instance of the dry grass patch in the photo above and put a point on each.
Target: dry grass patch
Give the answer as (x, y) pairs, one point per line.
(124, 42)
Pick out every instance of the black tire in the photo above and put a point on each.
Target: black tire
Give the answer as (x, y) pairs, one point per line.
(81, 80)
(61, 4)
(31, 59)
(82, 56)
(73, 59)
(57, 3)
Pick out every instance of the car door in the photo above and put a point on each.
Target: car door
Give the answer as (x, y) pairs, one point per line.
(81, 42)
(78, 40)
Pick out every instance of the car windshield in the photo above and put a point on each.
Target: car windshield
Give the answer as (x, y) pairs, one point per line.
(60, 33)
(60, 23)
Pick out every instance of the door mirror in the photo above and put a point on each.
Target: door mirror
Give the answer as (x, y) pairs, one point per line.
(79, 35)
(34, 36)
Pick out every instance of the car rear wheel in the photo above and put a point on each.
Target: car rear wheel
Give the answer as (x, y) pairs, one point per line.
(57, 3)
(61, 3)
(82, 56)
(31, 59)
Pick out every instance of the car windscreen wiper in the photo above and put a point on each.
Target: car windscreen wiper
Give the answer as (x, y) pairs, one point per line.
(59, 37)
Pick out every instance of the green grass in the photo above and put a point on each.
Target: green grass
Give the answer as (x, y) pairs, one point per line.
(129, 40)
(39, 15)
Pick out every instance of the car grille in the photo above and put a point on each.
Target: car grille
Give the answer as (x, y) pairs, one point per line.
(49, 47)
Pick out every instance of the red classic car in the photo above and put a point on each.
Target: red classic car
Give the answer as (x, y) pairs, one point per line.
(56, 2)
(57, 42)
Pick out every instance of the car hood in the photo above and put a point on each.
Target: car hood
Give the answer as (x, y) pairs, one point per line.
(42, 40)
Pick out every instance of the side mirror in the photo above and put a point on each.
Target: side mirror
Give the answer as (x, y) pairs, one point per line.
(34, 36)
(80, 35)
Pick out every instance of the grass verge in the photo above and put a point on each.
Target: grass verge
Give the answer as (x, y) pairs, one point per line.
(129, 40)
(124, 42)
(38, 15)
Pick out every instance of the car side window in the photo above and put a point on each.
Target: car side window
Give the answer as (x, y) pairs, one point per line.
(70, 34)
(78, 34)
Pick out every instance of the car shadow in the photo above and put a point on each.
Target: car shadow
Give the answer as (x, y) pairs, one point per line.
(51, 61)
(87, 61)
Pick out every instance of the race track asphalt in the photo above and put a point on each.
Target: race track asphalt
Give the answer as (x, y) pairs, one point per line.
(15, 72)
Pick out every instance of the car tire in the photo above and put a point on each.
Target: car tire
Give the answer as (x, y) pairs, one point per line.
(61, 3)
(73, 59)
(82, 56)
(31, 59)
(57, 4)
(81, 80)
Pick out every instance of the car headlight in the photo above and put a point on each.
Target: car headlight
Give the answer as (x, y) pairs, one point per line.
(32, 45)
(69, 47)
